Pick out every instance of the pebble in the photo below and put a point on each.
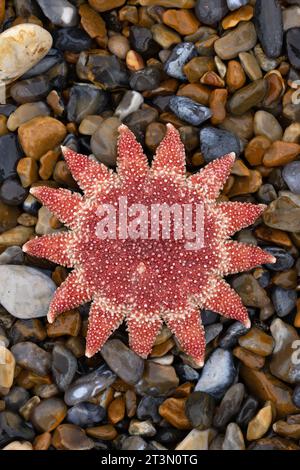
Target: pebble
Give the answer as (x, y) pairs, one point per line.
(71, 437)
(284, 300)
(106, 432)
(22, 47)
(16, 398)
(64, 366)
(17, 445)
(217, 142)
(48, 414)
(280, 153)
(292, 133)
(292, 45)
(173, 411)
(241, 39)
(86, 414)
(148, 408)
(229, 406)
(165, 36)
(21, 300)
(89, 385)
(30, 90)
(123, 361)
(259, 425)
(234, 439)
(61, 13)
(189, 111)
(266, 387)
(291, 18)
(180, 55)
(199, 408)
(218, 374)
(13, 426)
(155, 133)
(265, 124)
(67, 323)
(10, 153)
(210, 11)
(85, 99)
(7, 367)
(72, 39)
(290, 175)
(157, 380)
(134, 443)
(247, 97)
(118, 45)
(31, 330)
(235, 4)
(269, 26)
(248, 358)
(141, 41)
(116, 410)
(90, 124)
(257, 341)
(233, 332)
(282, 364)
(104, 141)
(146, 79)
(141, 428)
(42, 441)
(31, 357)
(27, 170)
(12, 255)
(287, 430)
(196, 440)
(26, 112)
(93, 24)
(41, 134)
(9, 217)
(15, 236)
(131, 102)
(183, 21)
(244, 13)
(247, 411)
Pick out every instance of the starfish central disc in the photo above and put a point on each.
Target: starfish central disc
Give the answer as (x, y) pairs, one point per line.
(148, 245)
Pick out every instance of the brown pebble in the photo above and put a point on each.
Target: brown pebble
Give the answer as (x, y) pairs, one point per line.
(212, 79)
(41, 134)
(129, 13)
(106, 432)
(162, 349)
(173, 411)
(134, 61)
(71, 437)
(244, 13)
(92, 22)
(217, 104)
(42, 441)
(62, 175)
(154, 134)
(28, 171)
(235, 76)
(246, 184)
(47, 164)
(273, 235)
(257, 341)
(118, 45)
(256, 149)
(116, 410)
(3, 125)
(48, 414)
(105, 5)
(250, 359)
(197, 67)
(55, 103)
(196, 92)
(183, 21)
(68, 323)
(280, 153)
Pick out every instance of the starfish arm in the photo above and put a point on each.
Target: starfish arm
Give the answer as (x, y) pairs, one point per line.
(89, 174)
(63, 203)
(71, 294)
(142, 333)
(170, 155)
(132, 162)
(210, 180)
(188, 329)
(242, 257)
(240, 214)
(54, 247)
(102, 323)
(227, 302)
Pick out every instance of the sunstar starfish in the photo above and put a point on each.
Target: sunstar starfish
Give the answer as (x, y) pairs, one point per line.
(146, 281)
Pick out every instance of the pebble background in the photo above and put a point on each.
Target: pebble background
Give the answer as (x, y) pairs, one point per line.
(225, 74)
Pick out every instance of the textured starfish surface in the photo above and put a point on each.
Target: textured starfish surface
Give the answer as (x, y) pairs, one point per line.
(147, 281)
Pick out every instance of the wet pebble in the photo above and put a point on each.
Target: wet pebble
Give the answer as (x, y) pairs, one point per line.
(85, 99)
(148, 408)
(16, 398)
(64, 366)
(234, 439)
(157, 380)
(217, 142)
(179, 56)
(104, 141)
(283, 362)
(241, 39)
(71, 437)
(189, 111)
(123, 361)
(211, 11)
(10, 153)
(269, 26)
(72, 39)
(31, 357)
(59, 12)
(145, 79)
(284, 300)
(13, 426)
(199, 408)
(86, 414)
(290, 175)
(25, 112)
(229, 406)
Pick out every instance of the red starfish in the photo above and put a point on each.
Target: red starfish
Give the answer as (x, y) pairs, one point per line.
(147, 281)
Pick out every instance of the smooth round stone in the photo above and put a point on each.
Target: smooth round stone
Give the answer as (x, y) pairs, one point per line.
(22, 47)
(72, 39)
(25, 292)
(89, 385)
(211, 11)
(141, 41)
(200, 409)
(217, 142)
(183, 21)
(60, 12)
(269, 26)
(10, 153)
(235, 4)
(293, 46)
(292, 133)
(249, 289)
(234, 439)
(284, 300)
(13, 426)
(25, 112)
(104, 141)
(266, 124)
(54, 57)
(241, 39)
(64, 366)
(86, 414)
(71, 437)
(106, 70)
(247, 97)
(7, 367)
(283, 214)
(90, 124)
(257, 342)
(123, 361)
(30, 356)
(16, 236)
(131, 102)
(148, 409)
(282, 363)
(291, 175)
(118, 45)
(145, 79)
(180, 55)
(30, 90)
(164, 36)
(85, 99)
(157, 380)
(48, 414)
(229, 406)
(218, 374)
(189, 111)
(284, 260)
(17, 445)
